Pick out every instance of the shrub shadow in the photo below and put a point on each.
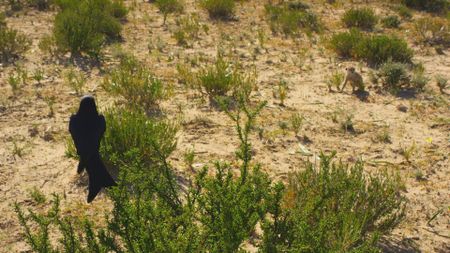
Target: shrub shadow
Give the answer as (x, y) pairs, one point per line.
(405, 245)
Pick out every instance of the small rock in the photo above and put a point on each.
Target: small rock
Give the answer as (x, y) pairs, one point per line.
(402, 108)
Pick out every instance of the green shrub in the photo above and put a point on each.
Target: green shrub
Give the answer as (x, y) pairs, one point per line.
(222, 9)
(12, 44)
(363, 18)
(344, 43)
(374, 49)
(391, 21)
(138, 87)
(333, 208)
(224, 79)
(218, 212)
(292, 19)
(435, 6)
(394, 75)
(84, 26)
(167, 7)
(378, 49)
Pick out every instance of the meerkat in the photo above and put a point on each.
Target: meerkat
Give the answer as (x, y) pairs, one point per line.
(354, 78)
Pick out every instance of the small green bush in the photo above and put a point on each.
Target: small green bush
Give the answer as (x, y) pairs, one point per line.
(391, 21)
(374, 49)
(378, 49)
(132, 81)
(224, 79)
(169, 6)
(222, 9)
(363, 18)
(12, 44)
(292, 19)
(84, 26)
(394, 75)
(345, 43)
(435, 6)
(333, 208)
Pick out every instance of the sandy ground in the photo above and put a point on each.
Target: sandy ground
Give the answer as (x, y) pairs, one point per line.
(32, 143)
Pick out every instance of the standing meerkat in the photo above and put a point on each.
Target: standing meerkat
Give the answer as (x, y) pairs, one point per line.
(355, 79)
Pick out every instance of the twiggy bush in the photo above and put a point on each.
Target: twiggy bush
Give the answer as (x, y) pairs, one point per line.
(363, 18)
(138, 87)
(435, 6)
(433, 31)
(12, 44)
(375, 49)
(84, 26)
(292, 19)
(167, 7)
(219, 9)
(333, 207)
(217, 213)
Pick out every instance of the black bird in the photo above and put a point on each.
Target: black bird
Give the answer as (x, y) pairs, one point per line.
(87, 128)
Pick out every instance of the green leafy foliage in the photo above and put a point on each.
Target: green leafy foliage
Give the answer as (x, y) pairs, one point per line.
(292, 18)
(333, 208)
(219, 9)
(363, 18)
(374, 49)
(12, 44)
(84, 26)
(138, 87)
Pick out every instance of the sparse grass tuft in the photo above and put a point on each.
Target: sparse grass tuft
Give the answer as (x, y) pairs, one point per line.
(335, 80)
(37, 196)
(442, 83)
(75, 79)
